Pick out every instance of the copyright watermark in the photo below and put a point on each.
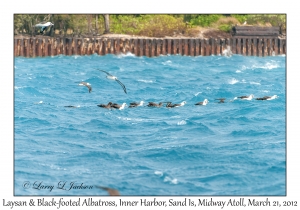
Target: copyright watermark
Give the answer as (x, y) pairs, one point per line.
(61, 185)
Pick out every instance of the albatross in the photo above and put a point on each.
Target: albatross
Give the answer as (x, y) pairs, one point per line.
(43, 26)
(135, 104)
(152, 104)
(203, 103)
(111, 191)
(108, 106)
(250, 97)
(170, 105)
(88, 85)
(221, 100)
(109, 76)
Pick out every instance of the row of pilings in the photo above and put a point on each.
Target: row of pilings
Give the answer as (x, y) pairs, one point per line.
(150, 47)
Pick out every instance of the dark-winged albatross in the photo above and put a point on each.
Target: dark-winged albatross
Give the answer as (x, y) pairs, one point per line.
(203, 103)
(267, 98)
(117, 106)
(71, 106)
(250, 97)
(109, 76)
(88, 85)
(135, 104)
(221, 100)
(108, 106)
(111, 191)
(170, 105)
(43, 26)
(152, 104)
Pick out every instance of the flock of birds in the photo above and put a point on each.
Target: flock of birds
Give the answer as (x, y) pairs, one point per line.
(111, 105)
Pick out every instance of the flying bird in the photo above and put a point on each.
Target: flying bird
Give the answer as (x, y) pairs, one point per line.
(109, 76)
(88, 85)
(43, 26)
(111, 192)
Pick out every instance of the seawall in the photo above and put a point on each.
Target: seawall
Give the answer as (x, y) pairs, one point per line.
(51, 46)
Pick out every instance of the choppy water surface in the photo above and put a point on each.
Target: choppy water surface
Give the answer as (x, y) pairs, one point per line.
(234, 148)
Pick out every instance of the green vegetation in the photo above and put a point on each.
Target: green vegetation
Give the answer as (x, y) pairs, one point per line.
(154, 25)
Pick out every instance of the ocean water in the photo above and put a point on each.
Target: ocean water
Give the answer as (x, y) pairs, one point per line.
(232, 148)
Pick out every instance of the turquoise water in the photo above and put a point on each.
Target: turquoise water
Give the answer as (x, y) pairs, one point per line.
(232, 148)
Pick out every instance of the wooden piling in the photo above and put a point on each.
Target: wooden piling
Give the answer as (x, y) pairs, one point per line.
(207, 47)
(135, 46)
(197, 47)
(169, 46)
(27, 48)
(213, 46)
(191, 47)
(244, 47)
(259, 47)
(158, 47)
(21, 47)
(153, 46)
(174, 46)
(33, 47)
(284, 47)
(202, 47)
(238, 46)
(276, 41)
(280, 50)
(163, 47)
(255, 46)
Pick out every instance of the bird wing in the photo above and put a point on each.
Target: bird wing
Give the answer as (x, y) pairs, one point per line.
(111, 191)
(243, 97)
(105, 72)
(123, 86)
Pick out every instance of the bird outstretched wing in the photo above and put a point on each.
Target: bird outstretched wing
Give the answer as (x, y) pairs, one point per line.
(105, 72)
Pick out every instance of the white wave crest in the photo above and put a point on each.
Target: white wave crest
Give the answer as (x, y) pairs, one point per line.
(182, 122)
(145, 81)
(238, 71)
(197, 93)
(233, 81)
(255, 83)
(128, 54)
(168, 179)
(159, 173)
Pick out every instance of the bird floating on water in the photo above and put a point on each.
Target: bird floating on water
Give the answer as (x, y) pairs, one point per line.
(135, 104)
(203, 103)
(109, 76)
(43, 26)
(117, 106)
(250, 97)
(88, 85)
(221, 100)
(170, 105)
(267, 98)
(111, 191)
(108, 106)
(152, 104)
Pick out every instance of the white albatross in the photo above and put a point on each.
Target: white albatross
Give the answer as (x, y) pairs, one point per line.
(43, 26)
(109, 76)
